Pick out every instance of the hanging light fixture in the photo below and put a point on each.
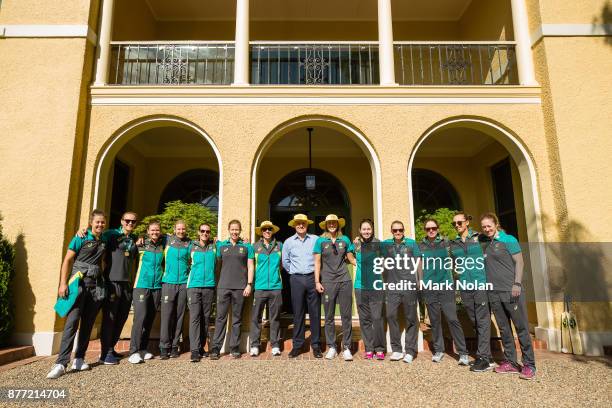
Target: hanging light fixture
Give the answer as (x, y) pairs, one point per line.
(311, 183)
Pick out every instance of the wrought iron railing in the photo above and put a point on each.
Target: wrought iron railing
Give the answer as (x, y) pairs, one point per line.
(314, 63)
(437, 63)
(210, 63)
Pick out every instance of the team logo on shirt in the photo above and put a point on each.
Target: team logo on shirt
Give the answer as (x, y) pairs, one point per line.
(241, 250)
(89, 245)
(225, 249)
(325, 246)
(340, 244)
(259, 249)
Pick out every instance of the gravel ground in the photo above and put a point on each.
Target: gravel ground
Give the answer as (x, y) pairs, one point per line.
(561, 381)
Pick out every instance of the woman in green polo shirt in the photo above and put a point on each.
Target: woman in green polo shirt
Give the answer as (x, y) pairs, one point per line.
(201, 290)
(468, 258)
(332, 279)
(438, 292)
(504, 266)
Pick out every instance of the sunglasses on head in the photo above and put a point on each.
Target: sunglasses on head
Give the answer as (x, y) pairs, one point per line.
(431, 229)
(129, 221)
(394, 230)
(205, 231)
(266, 229)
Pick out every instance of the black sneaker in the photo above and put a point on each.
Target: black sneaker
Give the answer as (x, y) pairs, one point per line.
(195, 357)
(481, 365)
(203, 354)
(236, 354)
(214, 355)
(174, 353)
(294, 352)
(117, 354)
(317, 353)
(163, 354)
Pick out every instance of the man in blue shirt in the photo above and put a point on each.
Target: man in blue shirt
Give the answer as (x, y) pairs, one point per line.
(298, 261)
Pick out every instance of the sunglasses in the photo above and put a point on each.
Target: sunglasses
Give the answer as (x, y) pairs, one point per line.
(205, 231)
(457, 223)
(394, 230)
(266, 229)
(129, 221)
(335, 248)
(431, 229)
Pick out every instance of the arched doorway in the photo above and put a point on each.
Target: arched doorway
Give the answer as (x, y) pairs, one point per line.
(492, 171)
(292, 195)
(431, 190)
(193, 186)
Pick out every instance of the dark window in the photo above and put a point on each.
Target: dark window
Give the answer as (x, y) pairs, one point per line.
(431, 191)
(501, 175)
(193, 186)
(119, 195)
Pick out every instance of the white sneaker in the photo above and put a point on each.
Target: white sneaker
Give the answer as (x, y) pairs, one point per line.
(135, 358)
(276, 351)
(347, 355)
(147, 356)
(408, 358)
(396, 356)
(331, 353)
(57, 371)
(464, 360)
(254, 351)
(80, 365)
(437, 357)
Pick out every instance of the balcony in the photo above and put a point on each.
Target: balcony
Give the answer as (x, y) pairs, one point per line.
(314, 63)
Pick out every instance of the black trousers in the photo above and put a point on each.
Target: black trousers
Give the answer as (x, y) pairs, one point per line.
(146, 304)
(338, 293)
(115, 311)
(304, 296)
(476, 305)
(82, 316)
(173, 304)
(508, 309)
(408, 301)
(438, 302)
(200, 304)
(370, 310)
(274, 300)
(225, 298)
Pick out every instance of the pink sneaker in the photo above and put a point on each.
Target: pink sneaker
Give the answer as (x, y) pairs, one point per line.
(527, 373)
(506, 368)
(380, 355)
(368, 355)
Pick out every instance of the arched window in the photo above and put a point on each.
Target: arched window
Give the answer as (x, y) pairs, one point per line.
(193, 186)
(431, 191)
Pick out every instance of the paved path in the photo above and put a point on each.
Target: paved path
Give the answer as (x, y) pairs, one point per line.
(561, 381)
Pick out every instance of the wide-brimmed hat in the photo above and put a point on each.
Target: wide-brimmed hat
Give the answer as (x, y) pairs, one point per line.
(264, 224)
(332, 217)
(299, 217)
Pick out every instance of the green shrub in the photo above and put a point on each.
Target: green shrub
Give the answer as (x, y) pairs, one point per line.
(7, 272)
(192, 214)
(444, 216)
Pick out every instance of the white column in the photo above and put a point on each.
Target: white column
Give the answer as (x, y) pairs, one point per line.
(524, 58)
(241, 59)
(385, 43)
(104, 39)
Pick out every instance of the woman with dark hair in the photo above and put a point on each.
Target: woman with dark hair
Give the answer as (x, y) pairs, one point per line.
(369, 300)
(438, 292)
(504, 266)
(83, 264)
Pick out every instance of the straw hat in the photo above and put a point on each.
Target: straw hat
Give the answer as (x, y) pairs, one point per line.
(264, 224)
(299, 217)
(332, 217)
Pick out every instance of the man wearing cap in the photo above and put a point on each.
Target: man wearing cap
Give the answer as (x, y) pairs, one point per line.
(268, 287)
(298, 261)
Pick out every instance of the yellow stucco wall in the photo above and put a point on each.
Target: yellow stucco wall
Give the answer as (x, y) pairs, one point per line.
(46, 12)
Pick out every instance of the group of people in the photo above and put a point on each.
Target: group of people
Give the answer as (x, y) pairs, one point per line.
(116, 270)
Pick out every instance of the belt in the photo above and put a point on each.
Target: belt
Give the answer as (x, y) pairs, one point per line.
(301, 274)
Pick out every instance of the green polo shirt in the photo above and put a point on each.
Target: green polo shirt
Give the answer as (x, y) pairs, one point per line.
(436, 261)
(203, 259)
(365, 252)
(268, 265)
(234, 260)
(150, 266)
(334, 268)
(469, 259)
(499, 263)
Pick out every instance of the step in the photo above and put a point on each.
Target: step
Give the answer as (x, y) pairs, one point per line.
(10, 354)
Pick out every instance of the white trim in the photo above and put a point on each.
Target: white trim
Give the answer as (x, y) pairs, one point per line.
(134, 126)
(373, 159)
(570, 30)
(48, 31)
(45, 343)
(542, 267)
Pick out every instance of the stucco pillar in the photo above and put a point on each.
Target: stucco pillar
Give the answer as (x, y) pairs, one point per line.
(524, 58)
(241, 59)
(104, 39)
(385, 43)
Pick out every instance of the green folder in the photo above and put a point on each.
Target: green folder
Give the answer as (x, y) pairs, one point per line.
(63, 305)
